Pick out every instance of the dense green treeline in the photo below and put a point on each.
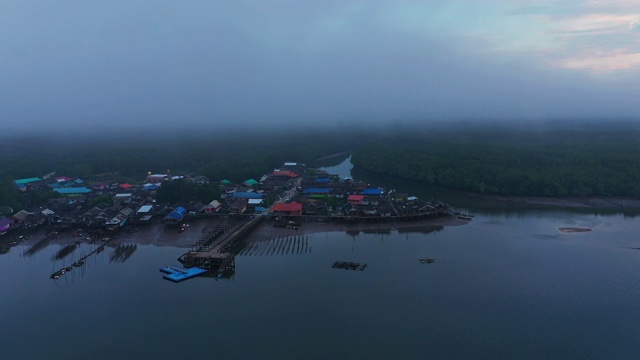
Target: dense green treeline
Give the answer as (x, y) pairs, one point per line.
(559, 161)
(537, 163)
(236, 156)
(183, 190)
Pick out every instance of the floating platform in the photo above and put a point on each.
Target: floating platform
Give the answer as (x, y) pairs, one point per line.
(178, 274)
(347, 265)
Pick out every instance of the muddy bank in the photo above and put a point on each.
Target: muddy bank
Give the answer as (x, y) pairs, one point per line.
(267, 231)
(151, 234)
(573, 229)
(572, 201)
(162, 235)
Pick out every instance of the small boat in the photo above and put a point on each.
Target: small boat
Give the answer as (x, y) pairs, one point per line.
(465, 216)
(78, 263)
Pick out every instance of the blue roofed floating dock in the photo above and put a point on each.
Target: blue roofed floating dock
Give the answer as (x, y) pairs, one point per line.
(178, 273)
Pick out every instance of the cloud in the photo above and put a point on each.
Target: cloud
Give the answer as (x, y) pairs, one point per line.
(594, 36)
(604, 61)
(288, 61)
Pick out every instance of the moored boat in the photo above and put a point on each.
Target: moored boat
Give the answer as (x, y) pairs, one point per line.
(465, 216)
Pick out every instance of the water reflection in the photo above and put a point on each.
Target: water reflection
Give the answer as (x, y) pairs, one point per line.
(122, 252)
(342, 169)
(65, 251)
(390, 231)
(332, 161)
(38, 246)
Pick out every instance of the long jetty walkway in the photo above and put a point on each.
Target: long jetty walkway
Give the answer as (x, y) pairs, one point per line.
(215, 251)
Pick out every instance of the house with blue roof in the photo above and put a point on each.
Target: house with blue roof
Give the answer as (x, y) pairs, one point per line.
(372, 191)
(177, 215)
(246, 195)
(316, 192)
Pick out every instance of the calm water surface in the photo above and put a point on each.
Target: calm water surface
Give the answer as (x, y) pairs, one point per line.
(505, 286)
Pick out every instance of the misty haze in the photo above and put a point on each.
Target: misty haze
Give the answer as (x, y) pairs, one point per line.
(320, 179)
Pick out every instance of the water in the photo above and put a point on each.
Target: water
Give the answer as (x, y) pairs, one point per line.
(507, 285)
(342, 169)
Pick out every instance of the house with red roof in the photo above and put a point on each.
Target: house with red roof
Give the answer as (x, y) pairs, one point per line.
(355, 199)
(288, 209)
(285, 173)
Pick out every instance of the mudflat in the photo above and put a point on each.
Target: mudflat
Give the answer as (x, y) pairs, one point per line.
(573, 229)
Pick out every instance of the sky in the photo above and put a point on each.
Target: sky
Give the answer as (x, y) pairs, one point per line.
(160, 64)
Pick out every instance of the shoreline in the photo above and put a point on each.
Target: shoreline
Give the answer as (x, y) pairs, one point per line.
(161, 235)
(595, 202)
(497, 200)
(267, 231)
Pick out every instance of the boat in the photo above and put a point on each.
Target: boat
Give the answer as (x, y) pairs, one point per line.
(78, 263)
(465, 217)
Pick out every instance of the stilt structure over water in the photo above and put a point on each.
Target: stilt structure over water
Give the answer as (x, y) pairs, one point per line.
(218, 253)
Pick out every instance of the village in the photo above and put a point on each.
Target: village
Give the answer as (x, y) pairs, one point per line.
(288, 197)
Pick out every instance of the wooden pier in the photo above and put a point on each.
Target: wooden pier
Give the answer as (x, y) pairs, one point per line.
(218, 251)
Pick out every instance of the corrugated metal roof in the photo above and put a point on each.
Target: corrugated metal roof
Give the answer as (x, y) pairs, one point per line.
(288, 207)
(177, 214)
(145, 208)
(284, 173)
(316, 191)
(26, 181)
(215, 204)
(67, 191)
(247, 195)
(374, 191)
